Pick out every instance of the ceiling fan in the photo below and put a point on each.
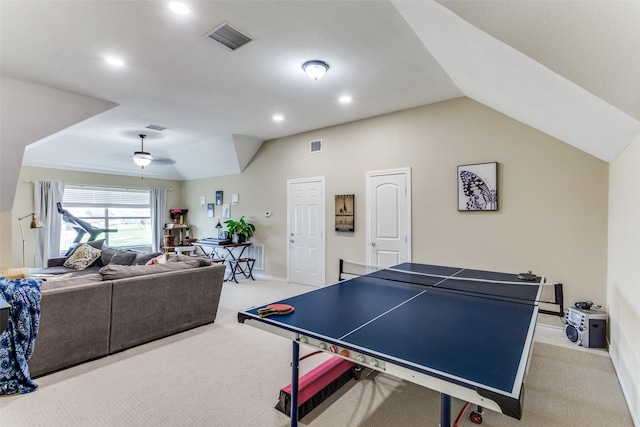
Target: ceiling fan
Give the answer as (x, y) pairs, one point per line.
(143, 158)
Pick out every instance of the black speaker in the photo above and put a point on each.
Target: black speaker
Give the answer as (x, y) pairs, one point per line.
(587, 328)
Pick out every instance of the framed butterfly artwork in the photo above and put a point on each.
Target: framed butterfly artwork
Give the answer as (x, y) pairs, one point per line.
(478, 187)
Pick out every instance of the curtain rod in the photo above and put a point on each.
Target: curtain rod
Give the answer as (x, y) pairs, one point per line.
(106, 186)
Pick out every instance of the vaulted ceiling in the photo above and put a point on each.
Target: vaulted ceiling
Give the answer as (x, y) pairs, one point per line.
(566, 68)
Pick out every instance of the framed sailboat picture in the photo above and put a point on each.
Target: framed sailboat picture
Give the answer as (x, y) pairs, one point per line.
(345, 218)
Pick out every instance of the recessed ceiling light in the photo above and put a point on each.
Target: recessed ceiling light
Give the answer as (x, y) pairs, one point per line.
(345, 99)
(278, 118)
(114, 61)
(179, 8)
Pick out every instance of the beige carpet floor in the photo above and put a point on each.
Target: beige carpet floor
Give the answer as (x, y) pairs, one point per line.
(229, 374)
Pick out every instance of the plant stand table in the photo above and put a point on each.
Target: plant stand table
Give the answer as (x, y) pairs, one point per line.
(229, 253)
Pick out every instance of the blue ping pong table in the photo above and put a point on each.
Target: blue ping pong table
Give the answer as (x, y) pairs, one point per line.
(464, 333)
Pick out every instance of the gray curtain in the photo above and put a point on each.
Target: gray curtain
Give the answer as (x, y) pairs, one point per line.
(158, 202)
(46, 194)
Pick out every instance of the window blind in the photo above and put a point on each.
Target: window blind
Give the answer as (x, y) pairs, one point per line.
(105, 197)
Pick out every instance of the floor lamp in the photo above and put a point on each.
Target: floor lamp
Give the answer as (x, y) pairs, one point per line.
(35, 223)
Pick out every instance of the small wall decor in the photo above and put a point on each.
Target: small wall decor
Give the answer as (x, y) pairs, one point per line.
(226, 211)
(345, 212)
(219, 198)
(478, 187)
(234, 199)
(210, 210)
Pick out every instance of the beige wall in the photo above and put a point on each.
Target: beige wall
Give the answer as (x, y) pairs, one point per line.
(6, 257)
(23, 203)
(553, 198)
(623, 290)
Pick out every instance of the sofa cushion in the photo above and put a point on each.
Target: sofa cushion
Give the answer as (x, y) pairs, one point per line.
(202, 262)
(82, 257)
(92, 269)
(70, 282)
(115, 272)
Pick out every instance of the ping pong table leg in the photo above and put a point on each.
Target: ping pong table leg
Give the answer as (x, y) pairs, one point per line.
(445, 410)
(294, 383)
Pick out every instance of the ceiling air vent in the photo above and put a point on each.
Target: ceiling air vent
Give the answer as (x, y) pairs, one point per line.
(316, 146)
(229, 36)
(156, 127)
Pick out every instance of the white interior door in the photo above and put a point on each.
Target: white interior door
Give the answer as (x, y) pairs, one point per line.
(306, 219)
(388, 217)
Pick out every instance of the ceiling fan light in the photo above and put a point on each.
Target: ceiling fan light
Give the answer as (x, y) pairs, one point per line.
(315, 69)
(142, 158)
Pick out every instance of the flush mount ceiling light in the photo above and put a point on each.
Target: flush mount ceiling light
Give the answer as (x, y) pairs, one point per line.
(179, 8)
(315, 69)
(112, 60)
(142, 158)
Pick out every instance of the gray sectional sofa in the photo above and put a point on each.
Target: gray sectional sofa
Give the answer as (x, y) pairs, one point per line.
(117, 307)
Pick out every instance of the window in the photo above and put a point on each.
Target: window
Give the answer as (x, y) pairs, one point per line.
(127, 211)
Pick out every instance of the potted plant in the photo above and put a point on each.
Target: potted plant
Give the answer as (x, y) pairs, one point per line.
(243, 229)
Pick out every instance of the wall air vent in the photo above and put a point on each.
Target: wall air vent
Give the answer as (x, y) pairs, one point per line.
(229, 36)
(316, 146)
(156, 127)
(256, 251)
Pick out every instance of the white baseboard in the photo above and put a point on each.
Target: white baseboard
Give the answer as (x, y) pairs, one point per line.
(260, 276)
(635, 412)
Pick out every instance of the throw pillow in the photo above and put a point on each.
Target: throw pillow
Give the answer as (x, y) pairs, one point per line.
(160, 259)
(83, 257)
(94, 244)
(144, 257)
(107, 254)
(123, 257)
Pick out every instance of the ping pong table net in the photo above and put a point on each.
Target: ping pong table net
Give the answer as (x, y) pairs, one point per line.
(350, 270)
